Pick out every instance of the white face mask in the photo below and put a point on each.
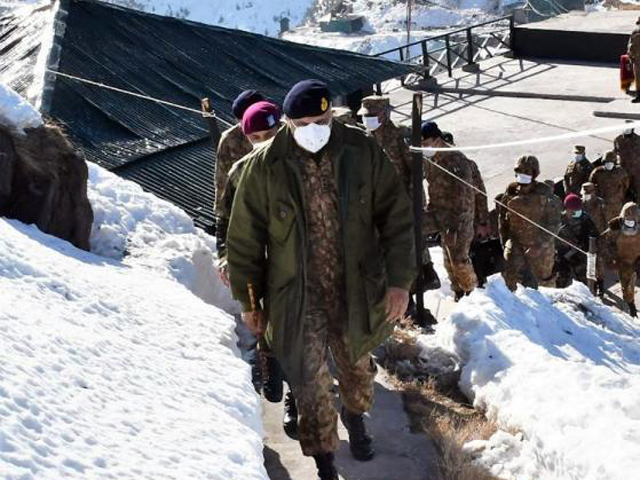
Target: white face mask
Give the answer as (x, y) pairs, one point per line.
(609, 165)
(587, 196)
(628, 131)
(371, 123)
(259, 144)
(523, 178)
(579, 157)
(577, 214)
(629, 223)
(312, 137)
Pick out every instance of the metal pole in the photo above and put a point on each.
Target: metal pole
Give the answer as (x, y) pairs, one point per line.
(512, 30)
(418, 207)
(447, 42)
(214, 129)
(425, 59)
(469, 47)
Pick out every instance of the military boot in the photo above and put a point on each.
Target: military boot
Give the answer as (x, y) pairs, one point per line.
(272, 384)
(290, 419)
(360, 442)
(326, 466)
(636, 99)
(431, 279)
(632, 309)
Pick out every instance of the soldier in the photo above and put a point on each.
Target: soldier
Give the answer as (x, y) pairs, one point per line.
(576, 228)
(577, 172)
(619, 246)
(321, 232)
(594, 206)
(627, 146)
(234, 144)
(345, 115)
(611, 182)
(633, 50)
(376, 119)
(456, 211)
(524, 243)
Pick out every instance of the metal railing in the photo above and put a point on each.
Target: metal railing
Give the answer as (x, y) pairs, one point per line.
(456, 49)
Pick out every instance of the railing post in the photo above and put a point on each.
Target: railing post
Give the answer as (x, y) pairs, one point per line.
(447, 43)
(402, 60)
(512, 29)
(425, 59)
(469, 47)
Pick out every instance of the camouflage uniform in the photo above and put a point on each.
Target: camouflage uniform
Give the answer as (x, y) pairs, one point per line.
(628, 149)
(523, 242)
(232, 147)
(620, 246)
(577, 173)
(325, 321)
(611, 186)
(455, 209)
(594, 206)
(225, 205)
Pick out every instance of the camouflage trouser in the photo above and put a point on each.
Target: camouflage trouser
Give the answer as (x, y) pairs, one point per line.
(540, 258)
(456, 247)
(317, 422)
(627, 275)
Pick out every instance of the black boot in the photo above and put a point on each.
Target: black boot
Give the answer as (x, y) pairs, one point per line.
(272, 384)
(431, 279)
(326, 467)
(360, 442)
(636, 99)
(600, 288)
(290, 419)
(632, 309)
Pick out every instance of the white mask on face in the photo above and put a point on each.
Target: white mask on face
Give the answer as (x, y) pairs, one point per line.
(609, 165)
(630, 223)
(523, 178)
(579, 157)
(587, 196)
(628, 131)
(371, 123)
(577, 214)
(312, 137)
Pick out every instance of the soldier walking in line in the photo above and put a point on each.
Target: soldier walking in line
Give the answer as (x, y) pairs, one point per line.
(611, 182)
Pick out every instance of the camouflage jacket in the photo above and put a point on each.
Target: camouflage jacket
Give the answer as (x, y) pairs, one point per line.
(611, 185)
(232, 147)
(576, 174)
(576, 231)
(451, 202)
(595, 209)
(615, 247)
(539, 205)
(633, 47)
(389, 136)
(628, 148)
(225, 206)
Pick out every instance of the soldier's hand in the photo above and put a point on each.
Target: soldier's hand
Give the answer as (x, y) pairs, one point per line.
(255, 321)
(396, 302)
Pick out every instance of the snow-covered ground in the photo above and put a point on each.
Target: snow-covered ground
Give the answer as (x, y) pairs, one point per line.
(560, 374)
(111, 367)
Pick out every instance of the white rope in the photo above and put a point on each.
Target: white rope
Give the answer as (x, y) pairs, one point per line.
(532, 141)
(507, 208)
(139, 95)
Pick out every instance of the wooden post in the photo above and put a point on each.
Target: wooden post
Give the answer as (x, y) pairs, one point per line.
(425, 59)
(470, 47)
(447, 42)
(214, 130)
(418, 207)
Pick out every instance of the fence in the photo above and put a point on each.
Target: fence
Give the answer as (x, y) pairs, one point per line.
(457, 49)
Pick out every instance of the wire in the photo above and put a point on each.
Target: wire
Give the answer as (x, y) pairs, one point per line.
(473, 187)
(139, 95)
(565, 136)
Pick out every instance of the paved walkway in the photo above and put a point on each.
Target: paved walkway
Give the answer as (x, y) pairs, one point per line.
(401, 455)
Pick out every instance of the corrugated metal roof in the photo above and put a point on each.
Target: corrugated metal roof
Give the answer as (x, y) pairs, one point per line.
(164, 149)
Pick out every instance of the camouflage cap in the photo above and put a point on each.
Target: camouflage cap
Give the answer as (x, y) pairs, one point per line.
(630, 211)
(589, 187)
(610, 156)
(373, 105)
(579, 149)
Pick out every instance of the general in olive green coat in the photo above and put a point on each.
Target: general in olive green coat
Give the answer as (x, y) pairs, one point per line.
(267, 241)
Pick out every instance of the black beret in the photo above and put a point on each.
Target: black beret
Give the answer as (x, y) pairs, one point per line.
(309, 98)
(430, 130)
(244, 101)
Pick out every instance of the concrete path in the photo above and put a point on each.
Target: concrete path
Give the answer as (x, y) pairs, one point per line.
(621, 108)
(401, 455)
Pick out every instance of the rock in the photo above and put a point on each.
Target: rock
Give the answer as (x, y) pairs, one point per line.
(43, 181)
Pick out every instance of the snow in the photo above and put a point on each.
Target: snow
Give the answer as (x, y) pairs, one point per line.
(559, 373)
(15, 113)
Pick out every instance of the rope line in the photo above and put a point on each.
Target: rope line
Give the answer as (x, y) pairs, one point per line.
(532, 141)
(473, 187)
(140, 95)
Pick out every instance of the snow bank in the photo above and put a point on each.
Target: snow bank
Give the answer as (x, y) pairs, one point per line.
(558, 367)
(15, 113)
(143, 230)
(112, 371)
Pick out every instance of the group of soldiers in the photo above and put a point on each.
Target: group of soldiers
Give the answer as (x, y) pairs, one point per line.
(315, 232)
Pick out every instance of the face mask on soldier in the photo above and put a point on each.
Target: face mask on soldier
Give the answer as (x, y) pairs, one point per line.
(586, 196)
(579, 157)
(630, 227)
(371, 123)
(312, 137)
(576, 214)
(609, 165)
(523, 178)
(628, 131)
